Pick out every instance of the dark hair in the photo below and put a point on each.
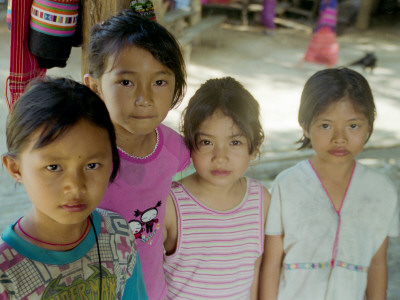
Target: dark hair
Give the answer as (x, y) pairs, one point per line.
(229, 96)
(128, 28)
(56, 105)
(330, 86)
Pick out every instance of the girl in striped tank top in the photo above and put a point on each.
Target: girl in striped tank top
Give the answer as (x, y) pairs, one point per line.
(213, 232)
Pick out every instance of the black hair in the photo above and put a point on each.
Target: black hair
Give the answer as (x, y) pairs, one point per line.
(229, 96)
(56, 105)
(128, 28)
(330, 86)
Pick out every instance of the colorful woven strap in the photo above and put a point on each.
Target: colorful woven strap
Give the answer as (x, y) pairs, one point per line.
(8, 16)
(23, 65)
(54, 17)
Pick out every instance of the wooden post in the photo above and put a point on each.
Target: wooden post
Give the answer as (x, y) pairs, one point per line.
(364, 14)
(95, 11)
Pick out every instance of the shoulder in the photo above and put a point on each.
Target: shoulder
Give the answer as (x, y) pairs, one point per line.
(172, 139)
(116, 230)
(9, 256)
(113, 222)
(169, 134)
(174, 144)
(368, 173)
(106, 214)
(371, 179)
(297, 172)
(264, 193)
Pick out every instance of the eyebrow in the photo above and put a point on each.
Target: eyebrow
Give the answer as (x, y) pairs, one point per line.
(349, 120)
(97, 155)
(236, 135)
(128, 72)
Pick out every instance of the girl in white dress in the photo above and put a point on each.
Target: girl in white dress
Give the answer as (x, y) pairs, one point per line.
(330, 217)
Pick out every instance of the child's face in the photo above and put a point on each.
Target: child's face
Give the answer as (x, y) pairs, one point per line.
(222, 154)
(137, 90)
(66, 179)
(339, 133)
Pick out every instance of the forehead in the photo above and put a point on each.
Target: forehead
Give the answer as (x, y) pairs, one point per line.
(130, 57)
(83, 138)
(219, 122)
(344, 107)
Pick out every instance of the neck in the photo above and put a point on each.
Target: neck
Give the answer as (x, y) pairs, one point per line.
(216, 197)
(49, 234)
(137, 145)
(338, 171)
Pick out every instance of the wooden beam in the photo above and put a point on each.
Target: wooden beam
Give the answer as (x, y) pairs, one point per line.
(364, 14)
(93, 12)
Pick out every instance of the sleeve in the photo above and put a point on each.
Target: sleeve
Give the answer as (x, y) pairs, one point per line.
(184, 157)
(395, 222)
(3, 293)
(274, 224)
(135, 288)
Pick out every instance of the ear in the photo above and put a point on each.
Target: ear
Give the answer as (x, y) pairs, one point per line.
(254, 155)
(13, 167)
(92, 83)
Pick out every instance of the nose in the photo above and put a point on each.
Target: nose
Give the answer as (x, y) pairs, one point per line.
(143, 96)
(75, 183)
(339, 136)
(220, 154)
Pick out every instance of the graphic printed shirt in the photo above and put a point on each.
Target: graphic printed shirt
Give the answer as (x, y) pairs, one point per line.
(31, 272)
(139, 194)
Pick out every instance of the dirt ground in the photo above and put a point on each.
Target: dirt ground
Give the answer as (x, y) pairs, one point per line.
(266, 65)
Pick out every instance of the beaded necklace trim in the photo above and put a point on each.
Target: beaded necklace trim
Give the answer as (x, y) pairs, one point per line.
(148, 155)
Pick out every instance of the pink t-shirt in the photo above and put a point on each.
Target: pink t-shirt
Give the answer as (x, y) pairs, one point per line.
(139, 194)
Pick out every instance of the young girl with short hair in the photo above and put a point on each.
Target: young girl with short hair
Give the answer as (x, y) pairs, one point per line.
(61, 147)
(137, 68)
(213, 233)
(330, 216)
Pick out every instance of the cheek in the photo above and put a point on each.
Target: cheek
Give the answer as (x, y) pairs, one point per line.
(198, 159)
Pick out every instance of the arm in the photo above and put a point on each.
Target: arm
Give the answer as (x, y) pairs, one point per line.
(255, 285)
(135, 288)
(170, 229)
(377, 274)
(271, 267)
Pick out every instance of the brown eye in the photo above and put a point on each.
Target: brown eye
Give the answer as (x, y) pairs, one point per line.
(160, 82)
(126, 83)
(93, 166)
(53, 168)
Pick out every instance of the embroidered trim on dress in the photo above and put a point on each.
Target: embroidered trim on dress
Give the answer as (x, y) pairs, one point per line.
(148, 155)
(324, 265)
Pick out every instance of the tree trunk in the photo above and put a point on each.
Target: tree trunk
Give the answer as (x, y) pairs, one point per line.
(93, 12)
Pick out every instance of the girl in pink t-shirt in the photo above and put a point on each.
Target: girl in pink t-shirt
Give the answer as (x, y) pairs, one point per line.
(137, 68)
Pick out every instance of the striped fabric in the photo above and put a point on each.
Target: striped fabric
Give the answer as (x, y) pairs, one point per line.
(327, 15)
(55, 17)
(323, 47)
(216, 250)
(23, 64)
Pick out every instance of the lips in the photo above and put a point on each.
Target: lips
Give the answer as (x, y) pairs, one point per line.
(220, 172)
(74, 207)
(142, 117)
(339, 152)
